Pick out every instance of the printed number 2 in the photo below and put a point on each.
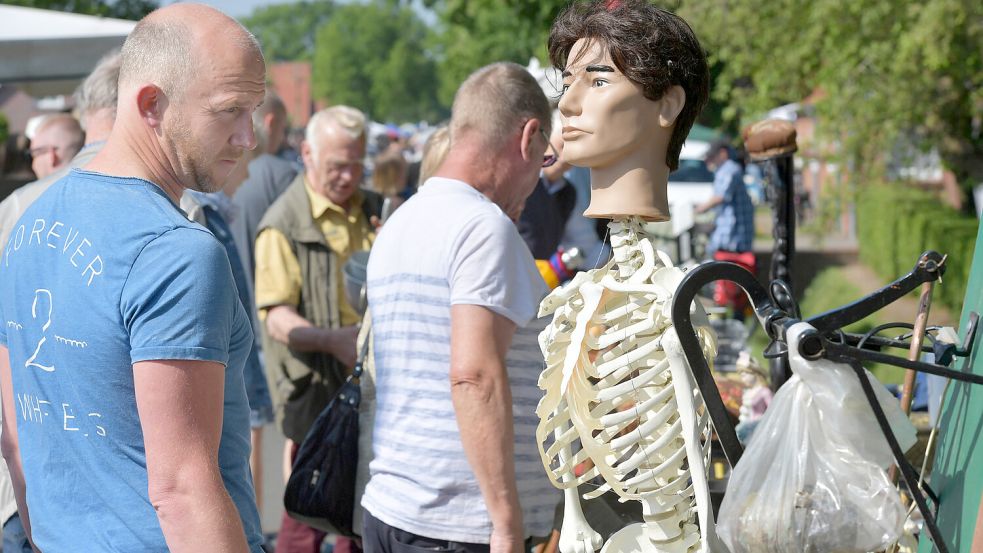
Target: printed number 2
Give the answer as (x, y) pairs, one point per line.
(32, 362)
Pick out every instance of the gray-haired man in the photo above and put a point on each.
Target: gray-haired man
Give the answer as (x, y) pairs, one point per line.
(453, 292)
(309, 328)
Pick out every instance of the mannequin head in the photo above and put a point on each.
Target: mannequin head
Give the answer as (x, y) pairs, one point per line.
(634, 80)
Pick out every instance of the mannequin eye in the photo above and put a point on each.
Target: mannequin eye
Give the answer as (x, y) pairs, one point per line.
(598, 83)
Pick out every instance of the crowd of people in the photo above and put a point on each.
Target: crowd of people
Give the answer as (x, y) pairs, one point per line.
(172, 285)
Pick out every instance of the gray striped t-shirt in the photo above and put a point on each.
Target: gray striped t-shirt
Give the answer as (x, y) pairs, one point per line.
(448, 245)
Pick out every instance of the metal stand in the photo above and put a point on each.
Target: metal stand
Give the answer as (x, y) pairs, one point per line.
(777, 312)
(782, 199)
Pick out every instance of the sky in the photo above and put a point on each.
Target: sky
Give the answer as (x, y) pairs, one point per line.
(236, 8)
(242, 8)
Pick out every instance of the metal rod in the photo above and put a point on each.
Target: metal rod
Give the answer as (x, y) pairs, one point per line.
(930, 266)
(783, 231)
(907, 472)
(766, 313)
(843, 354)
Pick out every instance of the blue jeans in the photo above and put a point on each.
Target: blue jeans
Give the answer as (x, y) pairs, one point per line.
(379, 537)
(15, 537)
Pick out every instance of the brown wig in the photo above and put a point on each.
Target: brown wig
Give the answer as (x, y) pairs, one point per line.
(654, 48)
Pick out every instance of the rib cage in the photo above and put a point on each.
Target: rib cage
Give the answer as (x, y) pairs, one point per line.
(614, 396)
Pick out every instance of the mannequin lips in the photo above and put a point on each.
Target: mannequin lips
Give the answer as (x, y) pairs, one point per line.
(569, 133)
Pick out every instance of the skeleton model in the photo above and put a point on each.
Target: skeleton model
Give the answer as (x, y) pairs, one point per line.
(618, 390)
(618, 386)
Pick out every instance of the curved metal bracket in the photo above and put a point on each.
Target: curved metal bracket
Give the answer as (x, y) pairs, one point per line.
(776, 311)
(764, 309)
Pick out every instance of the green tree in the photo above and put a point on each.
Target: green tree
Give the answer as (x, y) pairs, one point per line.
(474, 33)
(287, 31)
(885, 70)
(374, 57)
(121, 9)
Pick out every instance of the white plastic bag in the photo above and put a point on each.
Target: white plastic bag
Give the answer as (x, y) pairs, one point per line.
(813, 477)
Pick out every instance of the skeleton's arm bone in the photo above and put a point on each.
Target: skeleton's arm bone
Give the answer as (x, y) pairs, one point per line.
(576, 535)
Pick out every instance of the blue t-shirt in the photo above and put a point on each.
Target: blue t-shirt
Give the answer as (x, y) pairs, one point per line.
(99, 273)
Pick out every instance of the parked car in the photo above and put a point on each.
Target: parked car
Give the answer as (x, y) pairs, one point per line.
(689, 185)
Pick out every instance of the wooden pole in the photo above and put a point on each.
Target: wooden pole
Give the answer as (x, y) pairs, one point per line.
(914, 353)
(917, 338)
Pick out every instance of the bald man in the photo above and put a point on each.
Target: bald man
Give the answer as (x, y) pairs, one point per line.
(56, 141)
(126, 423)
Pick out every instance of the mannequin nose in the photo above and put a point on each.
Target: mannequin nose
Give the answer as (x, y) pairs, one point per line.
(569, 104)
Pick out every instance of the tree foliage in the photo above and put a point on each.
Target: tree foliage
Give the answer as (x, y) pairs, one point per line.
(121, 9)
(287, 31)
(474, 33)
(884, 70)
(374, 57)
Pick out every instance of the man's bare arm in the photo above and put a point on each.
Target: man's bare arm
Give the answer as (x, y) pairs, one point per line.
(180, 404)
(483, 406)
(9, 442)
(709, 204)
(286, 326)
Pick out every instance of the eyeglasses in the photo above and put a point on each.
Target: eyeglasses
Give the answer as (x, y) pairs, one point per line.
(339, 166)
(549, 159)
(42, 150)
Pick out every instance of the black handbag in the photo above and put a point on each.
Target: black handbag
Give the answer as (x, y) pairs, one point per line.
(321, 489)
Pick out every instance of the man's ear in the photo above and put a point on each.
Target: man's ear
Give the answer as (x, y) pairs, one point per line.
(307, 155)
(529, 131)
(671, 105)
(151, 103)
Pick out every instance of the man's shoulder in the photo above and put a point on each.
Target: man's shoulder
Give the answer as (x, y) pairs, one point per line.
(269, 167)
(731, 168)
(94, 199)
(458, 197)
(274, 162)
(291, 205)
(27, 194)
(268, 177)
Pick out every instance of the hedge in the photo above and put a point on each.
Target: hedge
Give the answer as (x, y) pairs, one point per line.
(895, 224)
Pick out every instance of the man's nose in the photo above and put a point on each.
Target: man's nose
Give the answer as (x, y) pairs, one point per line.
(347, 173)
(244, 136)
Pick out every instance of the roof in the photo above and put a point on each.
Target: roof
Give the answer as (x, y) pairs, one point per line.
(46, 45)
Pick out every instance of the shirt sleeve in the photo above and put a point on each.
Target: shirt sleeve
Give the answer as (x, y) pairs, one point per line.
(278, 279)
(722, 184)
(9, 213)
(179, 300)
(492, 267)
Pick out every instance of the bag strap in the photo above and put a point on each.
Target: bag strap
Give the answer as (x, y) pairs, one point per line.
(362, 354)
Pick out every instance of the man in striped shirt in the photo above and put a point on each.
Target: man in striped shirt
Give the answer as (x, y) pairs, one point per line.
(453, 292)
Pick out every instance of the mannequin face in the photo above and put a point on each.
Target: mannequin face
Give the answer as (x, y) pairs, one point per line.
(605, 116)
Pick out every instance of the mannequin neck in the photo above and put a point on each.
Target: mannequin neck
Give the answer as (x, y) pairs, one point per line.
(630, 189)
